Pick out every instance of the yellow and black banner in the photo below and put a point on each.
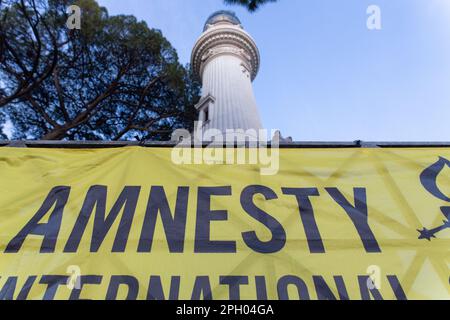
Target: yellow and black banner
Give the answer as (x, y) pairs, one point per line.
(132, 223)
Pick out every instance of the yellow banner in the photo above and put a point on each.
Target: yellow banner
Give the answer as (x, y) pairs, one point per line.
(135, 223)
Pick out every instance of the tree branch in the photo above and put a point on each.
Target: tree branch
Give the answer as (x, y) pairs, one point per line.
(60, 94)
(41, 111)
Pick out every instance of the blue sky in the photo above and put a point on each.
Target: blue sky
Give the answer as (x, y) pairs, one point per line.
(324, 75)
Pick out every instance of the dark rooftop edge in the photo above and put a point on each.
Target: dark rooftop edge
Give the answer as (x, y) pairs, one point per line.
(170, 144)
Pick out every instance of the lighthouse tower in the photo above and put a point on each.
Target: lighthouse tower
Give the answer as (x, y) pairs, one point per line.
(226, 59)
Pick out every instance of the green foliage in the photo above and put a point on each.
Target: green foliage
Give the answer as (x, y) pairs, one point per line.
(251, 5)
(114, 79)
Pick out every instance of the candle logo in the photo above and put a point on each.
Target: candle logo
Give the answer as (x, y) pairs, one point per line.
(428, 178)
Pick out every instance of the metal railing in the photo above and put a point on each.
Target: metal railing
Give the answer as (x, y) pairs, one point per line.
(171, 144)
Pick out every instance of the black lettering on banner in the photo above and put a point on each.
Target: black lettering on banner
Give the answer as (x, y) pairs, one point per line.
(396, 287)
(261, 288)
(9, 288)
(302, 195)
(278, 240)
(359, 216)
(324, 292)
(84, 280)
(286, 281)
(53, 282)
(174, 227)
(96, 197)
(365, 291)
(203, 242)
(202, 288)
(56, 198)
(234, 284)
(156, 291)
(116, 281)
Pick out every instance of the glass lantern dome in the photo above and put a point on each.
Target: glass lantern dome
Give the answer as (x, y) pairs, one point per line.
(222, 16)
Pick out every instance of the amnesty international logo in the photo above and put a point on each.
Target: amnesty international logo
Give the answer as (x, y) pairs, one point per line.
(428, 178)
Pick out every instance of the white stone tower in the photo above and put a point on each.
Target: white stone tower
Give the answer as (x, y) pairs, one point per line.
(226, 59)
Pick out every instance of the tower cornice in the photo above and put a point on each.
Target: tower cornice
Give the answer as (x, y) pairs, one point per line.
(225, 40)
